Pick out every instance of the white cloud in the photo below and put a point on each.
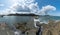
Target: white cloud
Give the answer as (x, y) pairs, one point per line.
(1, 4)
(13, 1)
(34, 7)
(46, 9)
(3, 12)
(25, 4)
(26, 1)
(29, 4)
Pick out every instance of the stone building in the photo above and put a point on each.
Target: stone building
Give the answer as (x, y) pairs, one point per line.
(52, 28)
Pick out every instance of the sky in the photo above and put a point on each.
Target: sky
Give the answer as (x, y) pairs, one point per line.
(42, 5)
(55, 3)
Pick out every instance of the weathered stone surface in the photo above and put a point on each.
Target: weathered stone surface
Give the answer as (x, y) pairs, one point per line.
(4, 30)
(52, 28)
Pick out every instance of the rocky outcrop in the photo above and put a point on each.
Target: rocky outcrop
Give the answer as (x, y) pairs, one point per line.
(52, 28)
(4, 29)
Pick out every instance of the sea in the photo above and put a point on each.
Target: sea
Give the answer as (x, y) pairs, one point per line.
(47, 17)
(15, 19)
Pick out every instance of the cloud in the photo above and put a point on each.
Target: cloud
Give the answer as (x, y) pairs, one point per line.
(26, 1)
(29, 6)
(3, 12)
(47, 9)
(1, 4)
(25, 5)
(34, 7)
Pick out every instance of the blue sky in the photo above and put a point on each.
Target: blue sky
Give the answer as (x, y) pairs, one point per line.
(41, 3)
(55, 3)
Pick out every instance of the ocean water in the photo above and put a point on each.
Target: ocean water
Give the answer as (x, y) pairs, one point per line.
(50, 17)
(17, 19)
(14, 19)
(45, 19)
